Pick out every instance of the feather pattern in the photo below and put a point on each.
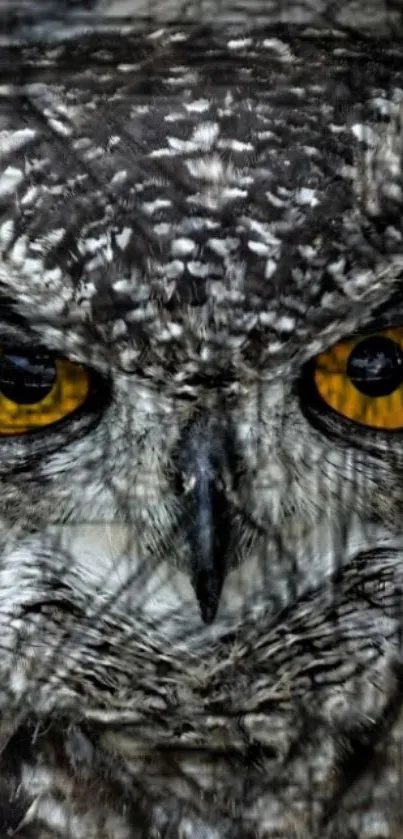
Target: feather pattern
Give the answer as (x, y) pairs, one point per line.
(195, 210)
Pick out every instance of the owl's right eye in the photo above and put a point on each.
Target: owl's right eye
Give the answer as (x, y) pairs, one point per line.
(361, 379)
(38, 390)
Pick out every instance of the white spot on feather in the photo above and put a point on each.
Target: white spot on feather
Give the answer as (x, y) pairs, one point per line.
(223, 247)
(202, 139)
(123, 238)
(29, 196)
(239, 43)
(258, 248)
(10, 179)
(270, 268)
(6, 232)
(306, 196)
(198, 106)
(209, 169)
(232, 193)
(365, 134)
(285, 324)
(119, 178)
(199, 269)
(150, 207)
(182, 246)
(13, 140)
(279, 47)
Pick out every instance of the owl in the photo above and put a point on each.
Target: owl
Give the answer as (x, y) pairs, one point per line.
(201, 420)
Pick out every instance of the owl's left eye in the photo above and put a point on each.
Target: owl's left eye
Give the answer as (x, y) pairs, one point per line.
(38, 390)
(362, 379)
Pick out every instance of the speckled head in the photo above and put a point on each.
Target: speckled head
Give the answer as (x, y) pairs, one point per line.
(200, 569)
(194, 212)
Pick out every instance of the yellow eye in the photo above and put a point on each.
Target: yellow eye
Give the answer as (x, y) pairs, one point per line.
(362, 379)
(37, 390)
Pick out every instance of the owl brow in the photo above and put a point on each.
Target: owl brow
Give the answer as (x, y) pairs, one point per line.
(13, 325)
(388, 314)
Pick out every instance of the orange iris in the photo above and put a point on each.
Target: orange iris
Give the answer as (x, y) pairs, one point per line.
(335, 386)
(68, 392)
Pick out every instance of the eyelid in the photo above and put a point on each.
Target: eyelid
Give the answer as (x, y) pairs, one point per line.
(377, 325)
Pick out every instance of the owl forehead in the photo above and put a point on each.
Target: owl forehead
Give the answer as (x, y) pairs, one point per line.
(198, 223)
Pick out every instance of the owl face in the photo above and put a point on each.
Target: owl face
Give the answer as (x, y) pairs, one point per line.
(201, 340)
(201, 415)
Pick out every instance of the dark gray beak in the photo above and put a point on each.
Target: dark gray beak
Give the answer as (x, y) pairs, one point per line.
(202, 464)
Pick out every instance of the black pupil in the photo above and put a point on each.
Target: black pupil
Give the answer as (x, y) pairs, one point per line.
(375, 366)
(26, 379)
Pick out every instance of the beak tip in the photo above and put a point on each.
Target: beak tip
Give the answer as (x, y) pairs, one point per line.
(208, 612)
(208, 590)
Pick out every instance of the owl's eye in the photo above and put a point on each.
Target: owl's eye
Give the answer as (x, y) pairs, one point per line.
(38, 390)
(362, 379)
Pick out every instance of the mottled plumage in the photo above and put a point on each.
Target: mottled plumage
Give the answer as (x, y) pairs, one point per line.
(200, 572)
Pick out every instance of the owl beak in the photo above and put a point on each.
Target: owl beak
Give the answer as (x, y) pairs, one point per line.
(207, 569)
(208, 545)
(208, 525)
